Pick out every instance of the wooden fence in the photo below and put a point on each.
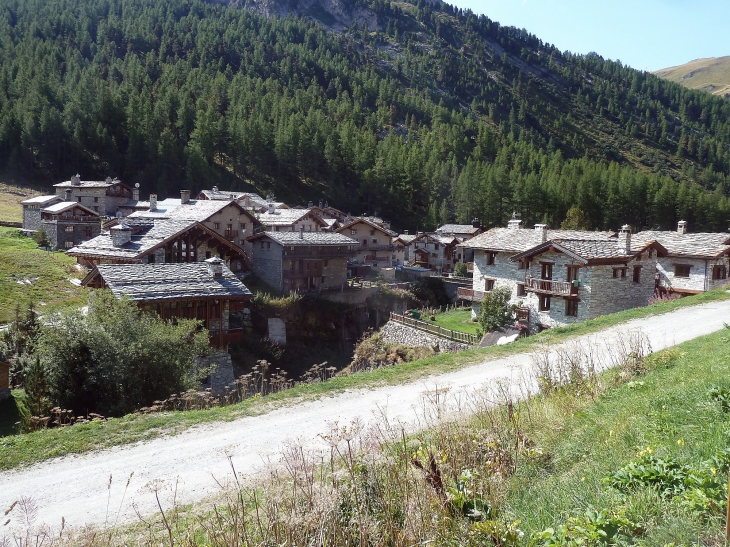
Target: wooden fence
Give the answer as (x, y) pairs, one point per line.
(436, 330)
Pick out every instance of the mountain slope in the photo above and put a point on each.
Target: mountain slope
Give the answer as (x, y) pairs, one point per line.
(426, 115)
(711, 75)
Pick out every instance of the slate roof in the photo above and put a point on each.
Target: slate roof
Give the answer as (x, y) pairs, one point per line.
(228, 195)
(88, 184)
(285, 217)
(457, 229)
(57, 208)
(40, 200)
(407, 238)
(170, 281)
(370, 223)
(165, 204)
(303, 239)
(591, 251)
(517, 241)
(699, 245)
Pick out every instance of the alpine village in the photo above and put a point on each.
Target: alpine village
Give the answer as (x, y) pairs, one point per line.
(356, 273)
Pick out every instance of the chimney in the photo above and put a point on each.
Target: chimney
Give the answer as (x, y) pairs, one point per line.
(215, 267)
(310, 205)
(682, 227)
(184, 196)
(624, 239)
(475, 223)
(320, 203)
(121, 235)
(135, 192)
(215, 189)
(272, 208)
(301, 232)
(406, 232)
(108, 180)
(541, 230)
(76, 180)
(326, 204)
(153, 202)
(68, 194)
(513, 224)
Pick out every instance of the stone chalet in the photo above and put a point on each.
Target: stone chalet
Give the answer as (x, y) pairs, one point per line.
(302, 261)
(571, 280)
(150, 241)
(407, 239)
(32, 210)
(104, 196)
(694, 262)
(291, 220)
(207, 291)
(434, 251)
(69, 223)
(462, 232)
(375, 242)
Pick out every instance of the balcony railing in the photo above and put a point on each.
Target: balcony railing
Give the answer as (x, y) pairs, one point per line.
(224, 338)
(301, 274)
(470, 294)
(229, 234)
(548, 286)
(374, 247)
(320, 253)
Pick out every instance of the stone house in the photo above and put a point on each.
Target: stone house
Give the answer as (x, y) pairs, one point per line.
(302, 261)
(571, 280)
(32, 210)
(695, 262)
(462, 232)
(291, 220)
(494, 248)
(103, 197)
(68, 223)
(433, 251)
(407, 240)
(207, 291)
(375, 243)
(399, 250)
(150, 241)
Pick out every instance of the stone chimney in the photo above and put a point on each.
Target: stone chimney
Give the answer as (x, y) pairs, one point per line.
(76, 180)
(320, 203)
(272, 208)
(108, 180)
(624, 239)
(682, 227)
(215, 189)
(215, 267)
(301, 232)
(135, 192)
(514, 224)
(475, 223)
(184, 196)
(310, 205)
(121, 235)
(541, 230)
(68, 194)
(153, 202)
(405, 232)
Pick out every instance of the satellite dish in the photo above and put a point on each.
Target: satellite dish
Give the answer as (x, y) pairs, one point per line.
(136, 185)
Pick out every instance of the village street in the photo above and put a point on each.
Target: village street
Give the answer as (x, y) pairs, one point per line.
(76, 487)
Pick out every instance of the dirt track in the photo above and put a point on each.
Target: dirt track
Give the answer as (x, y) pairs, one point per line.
(75, 487)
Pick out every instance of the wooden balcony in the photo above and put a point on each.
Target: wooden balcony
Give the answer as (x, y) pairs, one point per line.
(222, 339)
(548, 286)
(471, 295)
(230, 234)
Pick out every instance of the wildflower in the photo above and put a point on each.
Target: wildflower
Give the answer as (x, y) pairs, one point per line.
(610, 433)
(582, 479)
(713, 470)
(680, 442)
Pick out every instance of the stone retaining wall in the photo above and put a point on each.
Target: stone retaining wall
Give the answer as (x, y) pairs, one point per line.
(398, 333)
(222, 375)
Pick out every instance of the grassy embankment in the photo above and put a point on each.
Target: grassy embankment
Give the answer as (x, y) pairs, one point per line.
(638, 455)
(10, 197)
(458, 320)
(29, 273)
(42, 445)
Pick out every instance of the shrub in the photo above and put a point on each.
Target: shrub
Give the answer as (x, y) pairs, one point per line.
(41, 238)
(461, 269)
(496, 311)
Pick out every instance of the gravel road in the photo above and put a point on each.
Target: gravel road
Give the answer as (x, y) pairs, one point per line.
(76, 487)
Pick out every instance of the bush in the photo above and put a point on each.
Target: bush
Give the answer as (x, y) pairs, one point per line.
(41, 238)
(115, 359)
(496, 311)
(431, 291)
(461, 269)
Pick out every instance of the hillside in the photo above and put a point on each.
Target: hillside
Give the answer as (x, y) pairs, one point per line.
(711, 75)
(417, 111)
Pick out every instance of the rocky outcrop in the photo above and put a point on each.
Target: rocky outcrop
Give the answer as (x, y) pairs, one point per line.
(334, 14)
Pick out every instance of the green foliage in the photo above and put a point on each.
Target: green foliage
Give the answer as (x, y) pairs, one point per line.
(36, 400)
(575, 219)
(41, 238)
(461, 269)
(592, 528)
(722, 396)
(431, 291)
(114, 359)
(496, 311)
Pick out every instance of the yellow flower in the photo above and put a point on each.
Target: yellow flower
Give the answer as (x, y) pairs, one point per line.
(713, 470)
(582, 479)
(610, 433)
(680, 442)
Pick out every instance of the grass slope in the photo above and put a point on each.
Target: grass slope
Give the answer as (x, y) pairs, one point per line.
(44, 275)
(42, 445)
(459, 320)
(10, 197)
(712, 75)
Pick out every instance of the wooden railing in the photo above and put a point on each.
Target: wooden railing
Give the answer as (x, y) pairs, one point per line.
(548, 286)
(441, 332)
(230, 336)
(231, 233)
(470, 294)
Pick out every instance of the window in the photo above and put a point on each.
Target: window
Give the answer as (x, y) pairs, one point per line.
(619, 273)
(268, 245)
(571, 308)
(719, 271)
(96, 208)
(436, 247)
(490, 259)
(229, 226)
(69, 244)
(216, 225)
(88, 231)
(434, 255)
(544, 303)
(572, 273)
(375, 241)
(546, 270)
(243, 225)
(372, 232)
(96, 200)
(69, 228)
(637, 274)
(262, 244)
(325, 263)
(353, 232)
(489, 285)
(681, 270)
(524, 265)
(207, 254)
(364, 242)
(151, 259)
(78, 199)
(521, 289)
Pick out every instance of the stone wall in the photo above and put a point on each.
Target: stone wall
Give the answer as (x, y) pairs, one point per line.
(59, 236)
(31, 218)
(267, 266)
(222, 376)
(398, 333)
(700, 274)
